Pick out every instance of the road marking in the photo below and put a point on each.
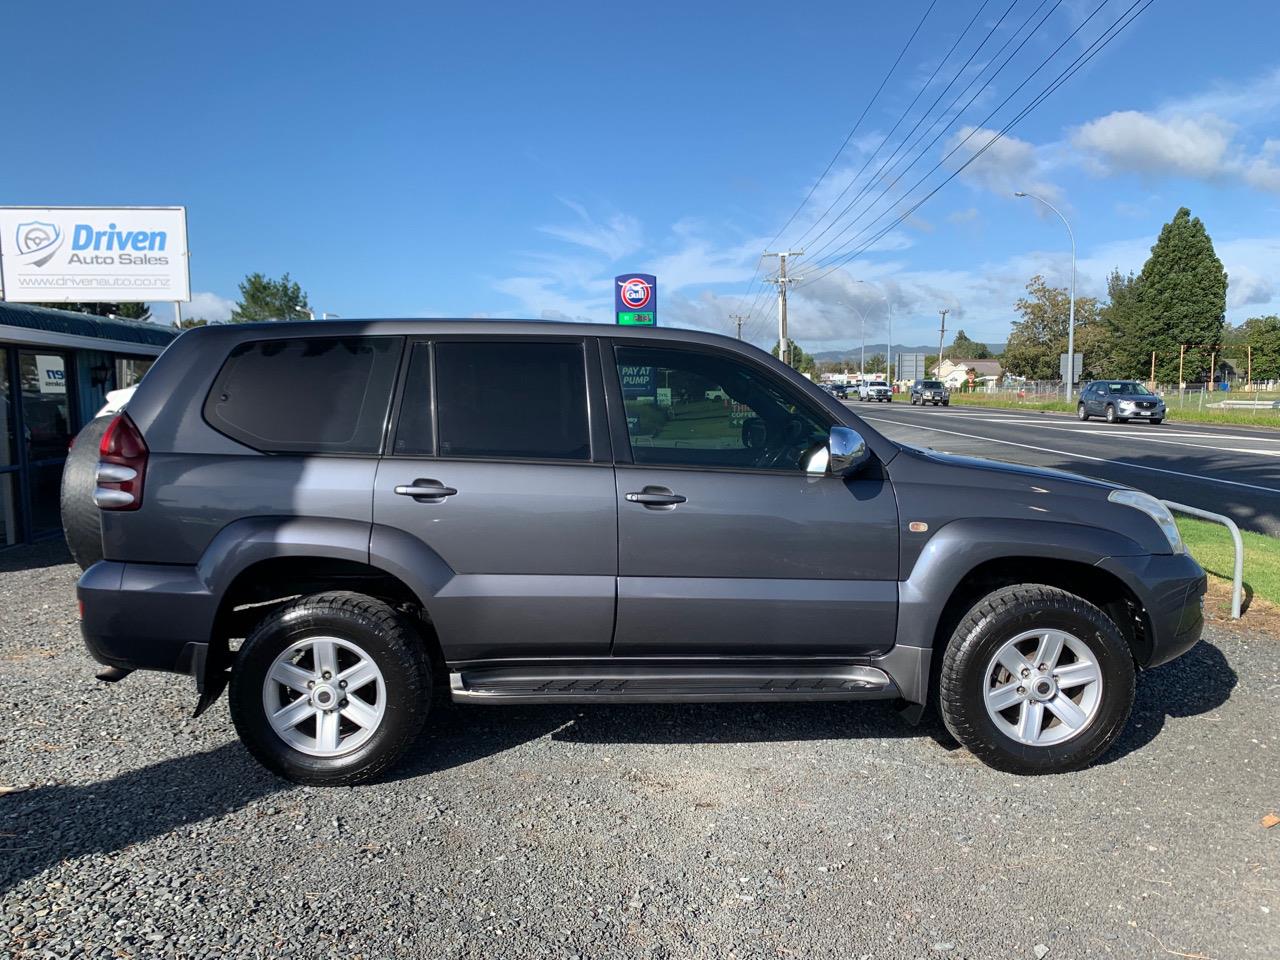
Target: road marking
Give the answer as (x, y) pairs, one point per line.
(1083, 456)
(1166, 436)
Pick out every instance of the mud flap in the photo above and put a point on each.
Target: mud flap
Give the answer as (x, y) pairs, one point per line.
(212, 670)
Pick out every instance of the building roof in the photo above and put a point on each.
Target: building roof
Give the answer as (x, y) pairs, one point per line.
(985, 368)
(65, 327)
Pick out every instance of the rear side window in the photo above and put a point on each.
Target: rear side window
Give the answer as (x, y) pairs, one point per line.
(506, 399)
(306, 394)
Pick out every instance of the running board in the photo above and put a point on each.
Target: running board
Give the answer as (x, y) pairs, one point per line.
(668, 684)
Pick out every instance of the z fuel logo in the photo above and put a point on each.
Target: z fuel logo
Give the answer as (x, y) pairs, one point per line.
(38, 241)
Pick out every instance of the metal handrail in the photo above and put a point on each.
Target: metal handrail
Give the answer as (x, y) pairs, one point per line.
(1237, 580)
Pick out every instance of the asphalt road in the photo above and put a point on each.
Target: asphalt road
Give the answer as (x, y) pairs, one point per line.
(1229, 470)
(715, 832)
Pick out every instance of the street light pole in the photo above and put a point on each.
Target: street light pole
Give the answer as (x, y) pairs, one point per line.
(888, 363)
(1071, 322)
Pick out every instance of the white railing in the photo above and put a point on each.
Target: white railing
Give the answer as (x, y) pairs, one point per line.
(1237, 579)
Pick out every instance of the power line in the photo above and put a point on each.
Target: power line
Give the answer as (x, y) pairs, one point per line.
(928, 83)
(977, 93)
(1096, 47)
(836, 156)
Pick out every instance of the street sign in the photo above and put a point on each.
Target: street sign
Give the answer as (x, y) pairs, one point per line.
(1062, 367)
(910, 366)
(635, 300)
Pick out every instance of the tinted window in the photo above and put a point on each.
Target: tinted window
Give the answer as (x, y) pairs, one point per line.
(415, 432)
(686, 408)
(306, 395)
(511, 399)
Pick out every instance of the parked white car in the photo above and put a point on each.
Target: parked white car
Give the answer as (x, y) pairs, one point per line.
(876, 390)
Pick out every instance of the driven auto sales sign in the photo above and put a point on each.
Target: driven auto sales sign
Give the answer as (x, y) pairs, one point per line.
(93, 254)
(635, 300)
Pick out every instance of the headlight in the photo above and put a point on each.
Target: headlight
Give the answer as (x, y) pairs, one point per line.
(1156, 510)
(1126, 403)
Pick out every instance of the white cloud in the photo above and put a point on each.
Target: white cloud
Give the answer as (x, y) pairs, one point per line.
(616, 238)
(1008, 165)
(1130, 141)
(203, 303)
(968, 215)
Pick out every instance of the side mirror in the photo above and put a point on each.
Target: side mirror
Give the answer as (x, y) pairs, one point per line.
(848, 451)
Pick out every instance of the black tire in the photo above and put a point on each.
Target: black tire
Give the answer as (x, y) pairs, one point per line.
(1157, 420)
(390, 641)
(913, 401)
(1111, 414)
(994, 620)
(81, 519)
(946, 403)
(1081, 412)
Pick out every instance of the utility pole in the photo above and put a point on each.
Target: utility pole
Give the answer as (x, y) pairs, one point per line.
(942, 333)
(781, 281)
(738, 318)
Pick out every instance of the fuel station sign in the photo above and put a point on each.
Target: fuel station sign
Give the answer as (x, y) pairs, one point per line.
(635, 300)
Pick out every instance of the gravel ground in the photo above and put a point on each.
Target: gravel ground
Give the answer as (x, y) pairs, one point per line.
(692, 831)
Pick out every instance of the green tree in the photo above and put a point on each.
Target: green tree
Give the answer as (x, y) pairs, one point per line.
(1038, 339)
(798, 358)
(188, 322)
(262, 298)
(962, 348)
(875, 363)
(1261, 335)
(126, 311)
(1181, 300)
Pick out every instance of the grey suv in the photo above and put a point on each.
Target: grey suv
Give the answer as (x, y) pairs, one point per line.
(337, 516)
(930, 391)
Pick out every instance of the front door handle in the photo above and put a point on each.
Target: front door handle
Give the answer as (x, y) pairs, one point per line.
(425, 491)
(655, 498)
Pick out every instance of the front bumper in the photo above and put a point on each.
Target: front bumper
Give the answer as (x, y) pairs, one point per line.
(1171, 589)
(145, 616)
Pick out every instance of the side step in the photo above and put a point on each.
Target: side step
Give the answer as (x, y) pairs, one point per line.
(694, 683)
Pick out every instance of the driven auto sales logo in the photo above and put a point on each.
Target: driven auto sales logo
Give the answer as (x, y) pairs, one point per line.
(38, 242)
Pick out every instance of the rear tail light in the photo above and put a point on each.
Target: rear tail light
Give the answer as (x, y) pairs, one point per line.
(122, 466)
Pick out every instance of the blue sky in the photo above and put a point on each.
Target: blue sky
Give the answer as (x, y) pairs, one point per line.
(510, 159)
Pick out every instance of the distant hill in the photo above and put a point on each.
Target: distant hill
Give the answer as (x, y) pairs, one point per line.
(853, 354)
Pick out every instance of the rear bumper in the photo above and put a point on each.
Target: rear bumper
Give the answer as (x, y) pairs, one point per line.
(1171, 589)
(142, 616)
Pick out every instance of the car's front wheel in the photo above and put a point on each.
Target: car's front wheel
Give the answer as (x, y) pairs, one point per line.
(1036, 680)
(331, 689)
(1111, 414)
(1157, 420)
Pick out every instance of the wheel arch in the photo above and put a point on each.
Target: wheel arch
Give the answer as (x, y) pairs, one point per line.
(968, 559)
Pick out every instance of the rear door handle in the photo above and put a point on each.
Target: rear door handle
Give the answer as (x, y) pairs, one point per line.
(655, 498)
(426, 491)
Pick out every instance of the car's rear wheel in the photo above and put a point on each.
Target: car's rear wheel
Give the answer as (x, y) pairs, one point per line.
(1081, 412)
(1036, 680)
(81, 519)
(331, 689)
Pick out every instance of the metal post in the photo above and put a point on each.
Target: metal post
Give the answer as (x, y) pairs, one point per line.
(1153, 370)
(1237, 574)
(177, 314)
(1248, 377)
(1071, 319)
(1213, 373)
(942, 333)
(784, 349)
(1182, 353)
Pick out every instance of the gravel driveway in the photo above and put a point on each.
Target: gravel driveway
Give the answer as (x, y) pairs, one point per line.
(691, 831)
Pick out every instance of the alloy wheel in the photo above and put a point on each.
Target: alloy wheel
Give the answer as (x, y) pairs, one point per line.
(1043, 687)
(324, 696)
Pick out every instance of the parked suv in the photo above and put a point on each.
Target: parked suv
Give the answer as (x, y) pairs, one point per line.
(334, 517)
(930, 391)
(877, 390)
